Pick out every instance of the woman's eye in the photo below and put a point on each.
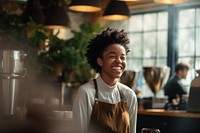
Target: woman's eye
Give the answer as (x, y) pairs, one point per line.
(123, 58)
(112, 56)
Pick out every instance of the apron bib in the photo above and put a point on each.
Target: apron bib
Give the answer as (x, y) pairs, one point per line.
(109, 118)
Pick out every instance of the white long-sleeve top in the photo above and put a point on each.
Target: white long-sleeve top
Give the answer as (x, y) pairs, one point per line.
(85, 98)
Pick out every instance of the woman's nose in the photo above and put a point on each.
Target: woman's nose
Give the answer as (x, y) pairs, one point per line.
(119, 60)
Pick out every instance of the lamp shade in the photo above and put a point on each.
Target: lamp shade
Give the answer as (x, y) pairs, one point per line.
(116, 10)
(34, 12)
(56, 17)
(85, 5)
(129, 0)
(169, 1)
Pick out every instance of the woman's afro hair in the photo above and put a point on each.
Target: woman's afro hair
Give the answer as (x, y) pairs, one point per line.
(98, 44)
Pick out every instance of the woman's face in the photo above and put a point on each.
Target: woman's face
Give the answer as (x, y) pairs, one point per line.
(113, 63)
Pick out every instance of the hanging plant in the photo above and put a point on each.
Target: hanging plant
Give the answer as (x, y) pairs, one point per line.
(74, 50)
(46, 50)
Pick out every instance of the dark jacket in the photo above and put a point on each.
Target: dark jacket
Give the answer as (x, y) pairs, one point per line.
(173, 88)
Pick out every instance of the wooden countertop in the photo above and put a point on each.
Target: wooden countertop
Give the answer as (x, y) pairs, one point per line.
(173, 113)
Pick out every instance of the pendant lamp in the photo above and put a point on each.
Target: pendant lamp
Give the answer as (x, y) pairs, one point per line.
(56, 16)
(34, 12)
(85, 5)
(129, 0)
(116, 10)
(169, 1)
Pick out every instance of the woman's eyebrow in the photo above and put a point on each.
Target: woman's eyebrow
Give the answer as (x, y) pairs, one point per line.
(124, 54)
(112, 53)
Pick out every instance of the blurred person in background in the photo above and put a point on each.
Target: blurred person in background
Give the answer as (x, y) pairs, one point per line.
(174, 88)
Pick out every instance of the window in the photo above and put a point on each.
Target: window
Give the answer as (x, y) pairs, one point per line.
(148, 40)
(188, 39)
(188, 36)
(156, 42)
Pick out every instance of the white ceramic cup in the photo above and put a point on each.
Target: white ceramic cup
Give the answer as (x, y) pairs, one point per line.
(68, 114)
(59, 114)
(54, 101)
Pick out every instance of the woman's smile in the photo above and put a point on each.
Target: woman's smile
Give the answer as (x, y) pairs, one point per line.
(117, 69)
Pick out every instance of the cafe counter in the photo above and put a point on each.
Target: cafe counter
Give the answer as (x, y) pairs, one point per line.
(169, 121)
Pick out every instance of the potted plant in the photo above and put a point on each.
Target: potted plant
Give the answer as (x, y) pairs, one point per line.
(73, 53)
(66, 55)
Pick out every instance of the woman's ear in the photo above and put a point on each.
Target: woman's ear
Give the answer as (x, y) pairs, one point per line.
(99, 61)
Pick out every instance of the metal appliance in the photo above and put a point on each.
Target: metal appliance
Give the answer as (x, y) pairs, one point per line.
(156, 77)
(193, 105)
(130, 78)
(11, 71)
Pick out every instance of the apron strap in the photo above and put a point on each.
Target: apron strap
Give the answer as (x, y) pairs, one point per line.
(121, 93)
(96, 88)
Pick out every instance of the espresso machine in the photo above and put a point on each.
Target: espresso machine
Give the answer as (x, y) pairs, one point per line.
(11, 71)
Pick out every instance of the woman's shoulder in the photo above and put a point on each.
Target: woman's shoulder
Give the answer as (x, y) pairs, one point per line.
(87, 87)
(87, 84)
(125, 89)
(128, 93)
(121, 85)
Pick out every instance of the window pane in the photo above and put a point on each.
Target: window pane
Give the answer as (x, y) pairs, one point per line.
(198, 42)
(186, 42)
(162, 21)
(148, 62)
(136, 45)
(197, 65)
(162, 44)
(150, 22)
(187, 18)
(161, 62)
(135, 23)
(198, 17)
(134, 64)
(149, 45)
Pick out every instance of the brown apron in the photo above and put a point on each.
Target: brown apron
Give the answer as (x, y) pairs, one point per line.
(109, 118)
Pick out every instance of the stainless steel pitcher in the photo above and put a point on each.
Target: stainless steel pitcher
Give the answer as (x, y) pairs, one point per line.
(11, 64)
(11, 70)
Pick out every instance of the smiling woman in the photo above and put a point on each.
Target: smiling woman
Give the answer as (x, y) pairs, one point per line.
(98, 99)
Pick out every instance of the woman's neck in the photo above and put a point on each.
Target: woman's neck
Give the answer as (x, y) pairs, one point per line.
(108, 80)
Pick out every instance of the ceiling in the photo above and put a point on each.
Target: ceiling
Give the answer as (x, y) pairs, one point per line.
(133, 6)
